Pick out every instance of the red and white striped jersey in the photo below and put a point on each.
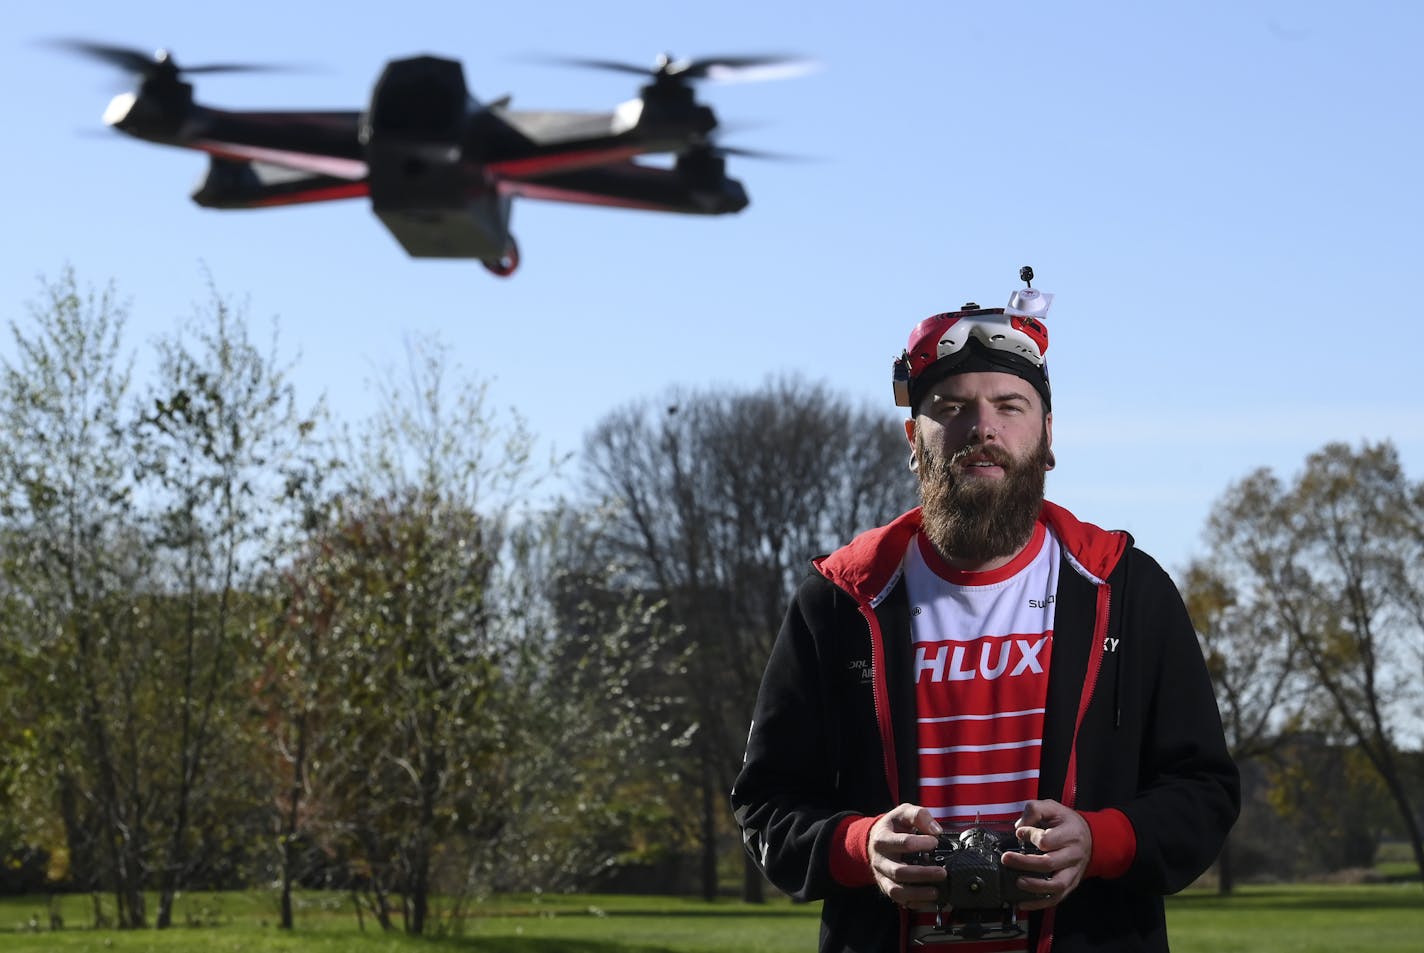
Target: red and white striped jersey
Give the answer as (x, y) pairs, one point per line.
(982, 644)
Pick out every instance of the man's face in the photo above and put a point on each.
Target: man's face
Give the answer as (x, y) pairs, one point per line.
(982, 444)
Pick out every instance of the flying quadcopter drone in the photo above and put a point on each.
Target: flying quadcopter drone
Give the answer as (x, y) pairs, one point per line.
(441, 168)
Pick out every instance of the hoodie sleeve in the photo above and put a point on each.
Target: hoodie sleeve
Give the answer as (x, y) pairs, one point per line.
(1189, 792)
(786, 798)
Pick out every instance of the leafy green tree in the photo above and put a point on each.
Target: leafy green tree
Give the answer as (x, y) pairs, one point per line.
(1335, 561)
(399, 666)
(413, 633)
(134, 536)
(73, 555)
(24, 856)
(462, 697)
(213, 452)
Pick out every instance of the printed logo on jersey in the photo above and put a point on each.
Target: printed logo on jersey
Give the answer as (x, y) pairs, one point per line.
(988, 659)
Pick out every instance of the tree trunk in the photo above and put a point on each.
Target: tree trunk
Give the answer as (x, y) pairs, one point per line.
(192, 737)
(83, 863)
(1225, 870)
(709, 838)
(286, 922)
(753, 883)
(173, 869)
(382, 906)
(358, 903)
(419, 888)
(119, 834)
(432, 767)
(289, 830)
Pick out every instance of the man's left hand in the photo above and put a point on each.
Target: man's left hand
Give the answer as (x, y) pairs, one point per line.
(1067, 845)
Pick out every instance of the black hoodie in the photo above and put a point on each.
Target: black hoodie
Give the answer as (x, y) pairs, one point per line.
(1131, 730)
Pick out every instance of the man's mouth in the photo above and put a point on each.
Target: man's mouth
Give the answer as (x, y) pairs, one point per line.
(980, 461)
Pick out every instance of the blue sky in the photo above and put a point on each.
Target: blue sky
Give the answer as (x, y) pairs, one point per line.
(1224, 197)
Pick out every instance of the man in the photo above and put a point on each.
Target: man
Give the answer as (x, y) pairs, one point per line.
(986, 660)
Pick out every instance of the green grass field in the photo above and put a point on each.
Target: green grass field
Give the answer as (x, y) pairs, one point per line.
(1378, 918)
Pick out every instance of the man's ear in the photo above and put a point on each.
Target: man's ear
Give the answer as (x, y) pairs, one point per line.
(910, 436)
(1052, 461)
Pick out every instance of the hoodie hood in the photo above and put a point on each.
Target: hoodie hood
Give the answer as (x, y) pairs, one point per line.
(868, 566)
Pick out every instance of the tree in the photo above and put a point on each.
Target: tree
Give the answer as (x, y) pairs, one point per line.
(132, 534)
(73, 554)
(599, 674)
(1334, 560)
(1334, 801)
(296, 688)
(1254, 668)
(395, 633)
(415, 725)
(213, 449)
(719, 500)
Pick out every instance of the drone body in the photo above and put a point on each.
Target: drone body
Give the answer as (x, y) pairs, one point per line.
(440, 168)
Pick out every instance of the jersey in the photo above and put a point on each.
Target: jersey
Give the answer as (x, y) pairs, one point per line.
(982, 645)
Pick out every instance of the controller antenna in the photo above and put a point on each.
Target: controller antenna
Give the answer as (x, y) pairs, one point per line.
(1026, 275)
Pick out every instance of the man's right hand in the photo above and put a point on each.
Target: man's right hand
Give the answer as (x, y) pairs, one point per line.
(905, 830)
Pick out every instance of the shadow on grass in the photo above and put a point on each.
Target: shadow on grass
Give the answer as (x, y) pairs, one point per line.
(741, 913)
(518, 944)
(1393, 897)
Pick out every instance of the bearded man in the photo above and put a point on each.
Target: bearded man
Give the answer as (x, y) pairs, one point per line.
(986, 661)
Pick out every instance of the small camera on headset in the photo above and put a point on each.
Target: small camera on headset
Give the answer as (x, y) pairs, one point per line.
(979, 890)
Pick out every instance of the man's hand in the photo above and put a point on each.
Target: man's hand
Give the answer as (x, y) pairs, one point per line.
(905, 830)
(1067, 845)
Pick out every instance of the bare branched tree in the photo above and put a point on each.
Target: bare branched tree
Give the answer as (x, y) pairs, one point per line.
(719, 501)
(1254, 667)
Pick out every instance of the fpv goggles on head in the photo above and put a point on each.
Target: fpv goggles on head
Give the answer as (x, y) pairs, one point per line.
(1011, 340)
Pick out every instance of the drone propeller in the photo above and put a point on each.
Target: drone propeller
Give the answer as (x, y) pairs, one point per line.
(717, 69)
(721, 150)
(158, 66)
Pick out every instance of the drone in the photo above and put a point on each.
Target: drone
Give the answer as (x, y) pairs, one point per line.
(440, 168)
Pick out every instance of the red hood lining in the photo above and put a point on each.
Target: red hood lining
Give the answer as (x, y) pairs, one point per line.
(868, 565)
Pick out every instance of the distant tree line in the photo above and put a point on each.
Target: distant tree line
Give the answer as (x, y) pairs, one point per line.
(245, 643)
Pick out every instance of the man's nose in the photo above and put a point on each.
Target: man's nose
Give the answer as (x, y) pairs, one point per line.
(980, 427)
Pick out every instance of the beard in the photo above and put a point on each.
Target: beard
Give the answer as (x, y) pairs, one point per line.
(981, 520)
